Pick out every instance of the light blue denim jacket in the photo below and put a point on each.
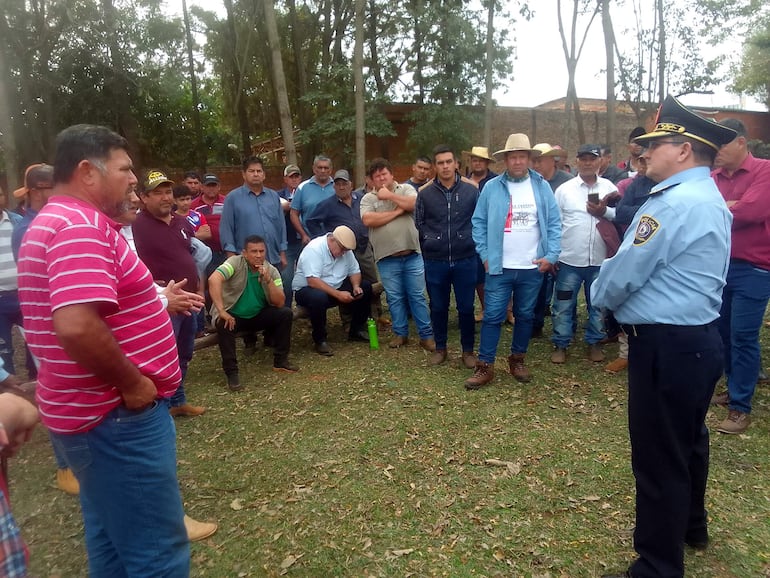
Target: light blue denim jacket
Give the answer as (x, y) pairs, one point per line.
(489, 221)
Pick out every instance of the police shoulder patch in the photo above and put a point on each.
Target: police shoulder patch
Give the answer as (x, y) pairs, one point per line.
(646, 229)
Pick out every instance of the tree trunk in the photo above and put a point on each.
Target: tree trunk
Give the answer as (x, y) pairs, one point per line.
(488, 104)
(358, 74)
(7, 119)
(418, 57)
(609, 49)
(200, 153)
(117, 86)
(281, 94)
(571, 57)
(375, 64)
(239, 103)
(300, 72)
(661, 52)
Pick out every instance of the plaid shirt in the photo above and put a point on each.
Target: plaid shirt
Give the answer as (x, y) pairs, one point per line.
(13, 553)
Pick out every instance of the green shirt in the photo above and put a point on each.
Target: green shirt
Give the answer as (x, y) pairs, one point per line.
(252, 300)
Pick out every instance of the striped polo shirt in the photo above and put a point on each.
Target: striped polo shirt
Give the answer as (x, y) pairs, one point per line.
(73, 254)
(7, 263)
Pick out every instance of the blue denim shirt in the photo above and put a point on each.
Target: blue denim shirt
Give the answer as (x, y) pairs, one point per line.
(489, 221)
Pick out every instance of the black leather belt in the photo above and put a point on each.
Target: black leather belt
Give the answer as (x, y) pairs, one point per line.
(640, 330)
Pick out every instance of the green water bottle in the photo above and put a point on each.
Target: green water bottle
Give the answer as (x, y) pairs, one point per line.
(371, 327)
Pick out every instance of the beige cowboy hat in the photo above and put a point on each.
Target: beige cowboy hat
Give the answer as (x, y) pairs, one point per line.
(516, 142)
(481, 152)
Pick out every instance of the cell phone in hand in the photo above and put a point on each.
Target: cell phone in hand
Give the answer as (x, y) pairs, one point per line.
(358, 296)
(593, 198)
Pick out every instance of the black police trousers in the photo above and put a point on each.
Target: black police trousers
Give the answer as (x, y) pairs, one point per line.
(672, 372)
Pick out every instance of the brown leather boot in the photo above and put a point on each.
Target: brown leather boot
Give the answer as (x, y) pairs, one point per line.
(482, 375)
(518, 370)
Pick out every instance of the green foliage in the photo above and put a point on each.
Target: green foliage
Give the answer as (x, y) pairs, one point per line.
(434, 124)
(335, 128)
(74, 62)
(753, 73)
(685, 70)
(759, 149)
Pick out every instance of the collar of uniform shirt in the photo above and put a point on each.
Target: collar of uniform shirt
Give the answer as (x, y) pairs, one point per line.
(515, 179)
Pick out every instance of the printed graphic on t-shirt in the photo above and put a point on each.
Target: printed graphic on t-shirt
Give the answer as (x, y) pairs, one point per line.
(521, 217)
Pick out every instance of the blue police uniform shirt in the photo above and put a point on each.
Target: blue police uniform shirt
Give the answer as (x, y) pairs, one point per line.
(672, 264)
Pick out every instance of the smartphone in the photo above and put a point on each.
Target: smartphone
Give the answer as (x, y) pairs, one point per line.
(593, 198)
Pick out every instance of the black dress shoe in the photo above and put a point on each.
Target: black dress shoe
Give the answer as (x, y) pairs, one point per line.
(323, 348)
(359, 336)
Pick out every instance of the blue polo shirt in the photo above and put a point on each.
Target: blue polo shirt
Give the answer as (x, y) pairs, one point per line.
(307, 196)
(332, 212)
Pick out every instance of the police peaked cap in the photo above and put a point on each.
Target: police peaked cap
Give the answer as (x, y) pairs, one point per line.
(676, 119)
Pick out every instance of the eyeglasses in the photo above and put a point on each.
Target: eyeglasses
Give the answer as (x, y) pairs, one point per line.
(652, 145)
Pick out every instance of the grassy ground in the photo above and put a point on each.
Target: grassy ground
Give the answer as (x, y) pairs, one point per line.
(375, 464)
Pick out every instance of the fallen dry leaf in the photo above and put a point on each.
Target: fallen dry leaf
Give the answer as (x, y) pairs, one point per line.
(289, 561)
(236, 504)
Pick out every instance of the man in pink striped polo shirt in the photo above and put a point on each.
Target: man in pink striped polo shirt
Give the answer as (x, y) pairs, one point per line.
(108, 360)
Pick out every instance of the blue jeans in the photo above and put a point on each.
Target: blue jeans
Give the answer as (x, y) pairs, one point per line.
(440, 278)
(544, 300)
(744, 300)
(129, 494)
(568, 281)
(524, 285)
(184, 331)
(10, 315)
(404, 282)
(287, 273)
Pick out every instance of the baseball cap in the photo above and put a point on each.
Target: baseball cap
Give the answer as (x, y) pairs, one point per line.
(37, 176)
(154, 179)
(342, 174)
(291, 170)
(209, 178)
(589, 149)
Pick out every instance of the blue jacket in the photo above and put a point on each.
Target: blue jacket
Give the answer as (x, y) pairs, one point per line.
(492, 210)
(443, 220)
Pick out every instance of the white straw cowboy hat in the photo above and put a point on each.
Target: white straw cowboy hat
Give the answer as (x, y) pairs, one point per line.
(516, 142)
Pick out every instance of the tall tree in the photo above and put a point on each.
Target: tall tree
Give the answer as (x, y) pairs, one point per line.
(7, 128)
(753, 75)
(360, 96)
(609, 50)
(489, 73)
(200, 155)
(572, 54)
(282, 97)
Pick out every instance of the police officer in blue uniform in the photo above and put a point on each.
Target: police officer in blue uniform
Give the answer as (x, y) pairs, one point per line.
(664, 286)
